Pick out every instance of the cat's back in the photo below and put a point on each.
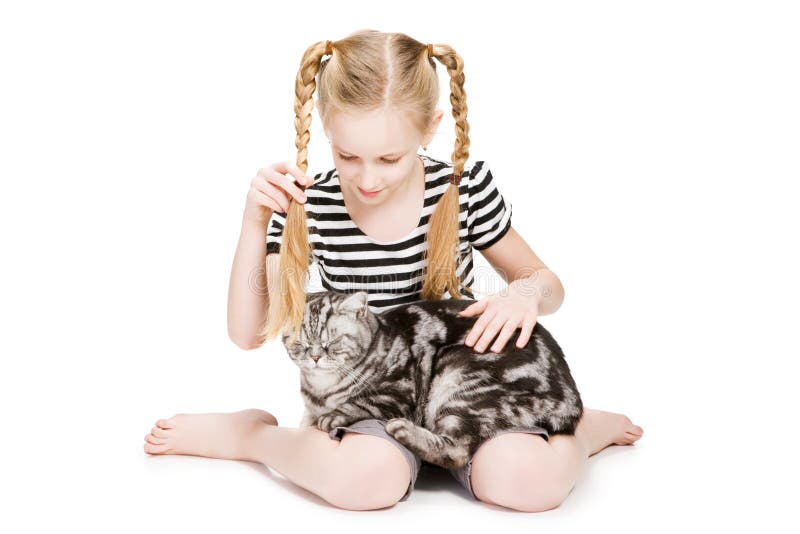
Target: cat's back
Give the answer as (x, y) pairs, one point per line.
(433, 314)
(440, 308)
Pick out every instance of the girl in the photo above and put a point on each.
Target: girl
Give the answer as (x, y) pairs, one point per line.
(389, 221)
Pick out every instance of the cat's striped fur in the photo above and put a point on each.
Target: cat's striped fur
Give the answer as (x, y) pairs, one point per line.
(409, 365)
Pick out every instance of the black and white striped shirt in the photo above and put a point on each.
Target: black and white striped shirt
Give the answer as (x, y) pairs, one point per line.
(392, 272)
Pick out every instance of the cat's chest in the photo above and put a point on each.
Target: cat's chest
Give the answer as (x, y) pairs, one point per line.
(321, 399)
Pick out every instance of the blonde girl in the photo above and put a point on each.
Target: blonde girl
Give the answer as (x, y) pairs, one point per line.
(401, 226)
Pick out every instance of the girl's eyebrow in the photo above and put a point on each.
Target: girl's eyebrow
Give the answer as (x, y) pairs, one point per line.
(390, 154)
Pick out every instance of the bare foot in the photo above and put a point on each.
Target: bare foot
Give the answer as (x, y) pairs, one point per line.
(599, 429)
(213, 435)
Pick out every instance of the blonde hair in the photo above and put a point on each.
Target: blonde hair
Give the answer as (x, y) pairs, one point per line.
(368, 70)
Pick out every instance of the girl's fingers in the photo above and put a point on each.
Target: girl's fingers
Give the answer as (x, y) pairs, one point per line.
(267, 201)
(490, 332)
(285, 183)
(290, 187)
(284, 167)
(270, 190)
(299, 175)
(527, 327)
(475, 307)
(505, 335)
(276, 194)
(477, 328)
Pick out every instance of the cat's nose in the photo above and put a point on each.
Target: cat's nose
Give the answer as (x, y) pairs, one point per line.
(315, 357)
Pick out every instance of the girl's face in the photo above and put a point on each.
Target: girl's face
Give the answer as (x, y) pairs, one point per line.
(375, 153)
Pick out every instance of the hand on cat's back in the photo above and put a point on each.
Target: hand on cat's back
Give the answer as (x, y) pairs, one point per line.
(503, 312)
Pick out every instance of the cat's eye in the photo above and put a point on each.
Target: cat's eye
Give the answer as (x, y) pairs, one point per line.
(331, 342)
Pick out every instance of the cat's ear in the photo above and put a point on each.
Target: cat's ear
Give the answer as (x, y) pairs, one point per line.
(357, 302)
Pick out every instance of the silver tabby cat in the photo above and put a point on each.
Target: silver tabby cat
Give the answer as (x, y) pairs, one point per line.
(410, 367)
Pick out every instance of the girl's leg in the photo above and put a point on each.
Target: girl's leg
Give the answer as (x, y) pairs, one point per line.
(360, 472)
(525, 472)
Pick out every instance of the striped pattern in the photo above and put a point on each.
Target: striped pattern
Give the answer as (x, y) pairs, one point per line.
(392, 272)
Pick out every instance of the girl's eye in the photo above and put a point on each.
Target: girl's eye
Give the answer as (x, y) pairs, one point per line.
(387, 161)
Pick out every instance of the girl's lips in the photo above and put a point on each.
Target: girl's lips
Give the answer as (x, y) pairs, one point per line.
(369, 193)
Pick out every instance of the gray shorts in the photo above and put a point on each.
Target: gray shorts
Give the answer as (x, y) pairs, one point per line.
(375, 427)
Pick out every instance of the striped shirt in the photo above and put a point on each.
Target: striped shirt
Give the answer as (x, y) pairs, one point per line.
(392, 272)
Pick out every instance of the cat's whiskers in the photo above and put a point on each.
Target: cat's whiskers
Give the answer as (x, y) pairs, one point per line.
(358, 376)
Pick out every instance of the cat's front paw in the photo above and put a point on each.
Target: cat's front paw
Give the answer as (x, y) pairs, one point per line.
(399, 428)
(331, 420)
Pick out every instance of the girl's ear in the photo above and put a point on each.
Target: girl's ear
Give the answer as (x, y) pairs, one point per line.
(437, 119)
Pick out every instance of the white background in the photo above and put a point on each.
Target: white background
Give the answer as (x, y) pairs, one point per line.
(651, 154)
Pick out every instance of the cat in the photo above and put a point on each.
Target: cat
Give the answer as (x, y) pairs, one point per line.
(409, 366)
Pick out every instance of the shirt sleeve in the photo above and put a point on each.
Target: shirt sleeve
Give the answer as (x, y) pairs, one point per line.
(275, 232)
(489, 214)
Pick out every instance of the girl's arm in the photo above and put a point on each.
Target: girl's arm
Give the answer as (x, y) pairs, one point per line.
(514, 260)
(253, 269)
(247, 290)
(532, 290)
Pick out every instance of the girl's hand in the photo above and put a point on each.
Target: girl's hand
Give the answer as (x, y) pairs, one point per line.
(515, 306)
(272, 188)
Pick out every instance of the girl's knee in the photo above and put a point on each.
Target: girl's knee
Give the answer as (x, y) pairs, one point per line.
(370, 473)
(529, 487)
(520, 479)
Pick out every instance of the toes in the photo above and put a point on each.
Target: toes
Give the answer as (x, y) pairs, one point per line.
(159, 432)
(150, 438)
(630, 438)
(629, 427)
(154, 449)
(165, 423)
(634, 431)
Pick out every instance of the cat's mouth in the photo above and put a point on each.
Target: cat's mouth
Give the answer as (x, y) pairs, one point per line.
(317, 366)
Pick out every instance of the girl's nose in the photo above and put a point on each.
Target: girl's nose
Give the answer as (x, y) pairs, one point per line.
(369, 184)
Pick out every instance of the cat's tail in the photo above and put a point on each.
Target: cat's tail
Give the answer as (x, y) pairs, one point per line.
(437, 449)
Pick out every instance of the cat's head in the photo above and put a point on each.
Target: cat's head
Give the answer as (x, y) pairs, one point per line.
(337, 331)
